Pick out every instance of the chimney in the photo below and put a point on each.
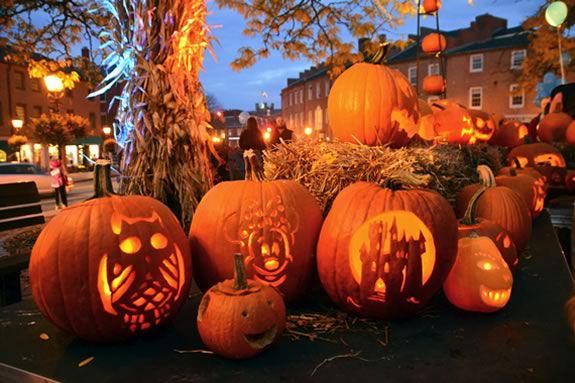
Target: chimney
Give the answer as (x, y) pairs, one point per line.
(361, 42)
(85, 53)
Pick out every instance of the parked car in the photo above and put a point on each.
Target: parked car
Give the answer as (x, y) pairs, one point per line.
(11, 172)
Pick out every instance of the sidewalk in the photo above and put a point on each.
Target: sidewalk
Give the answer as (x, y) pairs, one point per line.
(82, 176)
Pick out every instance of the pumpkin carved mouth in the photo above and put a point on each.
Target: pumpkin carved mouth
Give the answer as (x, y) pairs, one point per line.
(494, 297)
(262, 339)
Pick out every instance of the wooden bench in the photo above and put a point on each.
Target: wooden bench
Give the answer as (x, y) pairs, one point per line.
(19, 207)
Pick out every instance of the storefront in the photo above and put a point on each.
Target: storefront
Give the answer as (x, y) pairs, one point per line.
(78, 155)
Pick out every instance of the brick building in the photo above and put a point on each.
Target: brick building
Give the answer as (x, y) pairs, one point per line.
(22, 97)
(482, 64)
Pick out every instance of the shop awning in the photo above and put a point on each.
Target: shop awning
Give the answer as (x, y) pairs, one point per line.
(89, 140)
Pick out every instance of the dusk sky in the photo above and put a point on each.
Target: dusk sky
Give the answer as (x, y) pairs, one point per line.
(241, 90)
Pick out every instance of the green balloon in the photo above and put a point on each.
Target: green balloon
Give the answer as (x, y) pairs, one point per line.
(556, 13)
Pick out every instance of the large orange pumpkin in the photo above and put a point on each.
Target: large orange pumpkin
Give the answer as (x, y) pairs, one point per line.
(434, 84)
(112, 267)
(239, 318)
(385, 253)
(500, 205)
(273, 224)
(433, 43)
(531, 189)
(509, 134)
(373, 104)
(553, 126)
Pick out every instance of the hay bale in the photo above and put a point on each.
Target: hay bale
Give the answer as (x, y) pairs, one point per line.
(325, 168)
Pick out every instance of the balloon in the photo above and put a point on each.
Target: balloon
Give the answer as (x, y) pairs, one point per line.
(243, 117)
(556, 13)
(544, 88)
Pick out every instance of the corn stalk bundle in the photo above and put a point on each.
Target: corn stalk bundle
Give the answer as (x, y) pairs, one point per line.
(157, 47)
(325, 168)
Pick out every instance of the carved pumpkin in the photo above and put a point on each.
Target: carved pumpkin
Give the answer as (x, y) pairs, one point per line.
(434, 84)
(111, 267)
(509, 134)
(531, 190)
(480, 280)
(424, 108)
(274, 225)
(431, 6)
(240, 318)
(384, 253)
(540, 179)
(498, 204)
(471, 225)
(433, 43)
(553, 126)
(452, 122)
(570, 133)
(545, 158)
(483, 124)
(373, 104)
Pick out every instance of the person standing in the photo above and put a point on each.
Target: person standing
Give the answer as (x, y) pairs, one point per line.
(59, 181)
(252, 138)
(282, 132)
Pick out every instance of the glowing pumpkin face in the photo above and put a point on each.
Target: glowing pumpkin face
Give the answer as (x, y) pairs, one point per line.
(141, 292)
(483, 124)
(452, 122)
(480, 280)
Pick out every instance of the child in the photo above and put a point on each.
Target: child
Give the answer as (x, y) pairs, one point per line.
(58, 183)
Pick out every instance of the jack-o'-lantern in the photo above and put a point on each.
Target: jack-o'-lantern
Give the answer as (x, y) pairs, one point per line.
(424, 108)
(471, 225)
(431, 6)
(545, 158)
(498, 204)
(532, 190)
(452, 122)
(480, 281)
(373, 104)
(273, 224)
(111, 267)
(239, 318)
(509, 134)
(433, 43)
(483, 124)
(391, 254)
(553, 126)
(518, 169)
(434, 84)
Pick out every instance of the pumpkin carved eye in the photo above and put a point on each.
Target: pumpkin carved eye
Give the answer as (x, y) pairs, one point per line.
(486, 265)
(131, 245)
(158, 241)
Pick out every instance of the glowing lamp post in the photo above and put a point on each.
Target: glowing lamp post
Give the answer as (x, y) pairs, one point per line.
(308, 131)
(107, 130)
(17, 124)
(555, 15)
(267, 137)
(55, 87)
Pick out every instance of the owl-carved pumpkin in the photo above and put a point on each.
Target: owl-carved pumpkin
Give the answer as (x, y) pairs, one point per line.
(111, 267)
(384, 253)
(273, 224)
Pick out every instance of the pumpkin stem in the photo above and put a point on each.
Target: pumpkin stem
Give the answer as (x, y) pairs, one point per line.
(102, 181)
(253, 169)
(404, 178)
(486, 176)
(379, 57)
(517, 163)
(469, 216)
(240, 281)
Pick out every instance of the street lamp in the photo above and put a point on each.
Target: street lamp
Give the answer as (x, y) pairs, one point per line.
(106, 130)
(555, 15)
(55, 88)
(267, 137)
(308, 131)
(17, 123)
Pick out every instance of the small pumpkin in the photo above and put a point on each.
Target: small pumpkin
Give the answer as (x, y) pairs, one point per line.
(482, 227)
(274, 224)
(431, 6)
(373, 104)
(480, 280)
(532, 190)
(434, 84)
(498, 204)
(384, 253)
(553, 126)
(239, 318)
(433, 43)
(112, 267)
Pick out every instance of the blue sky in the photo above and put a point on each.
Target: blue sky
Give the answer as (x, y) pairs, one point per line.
(241, 90)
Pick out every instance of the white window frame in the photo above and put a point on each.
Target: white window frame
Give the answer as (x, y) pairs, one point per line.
(524, 51)
(471, 91)
(433, 65)
(476, 70)
(511, 91)
(409, 73)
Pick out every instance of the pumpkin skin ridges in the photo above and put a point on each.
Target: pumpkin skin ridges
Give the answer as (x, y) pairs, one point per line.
(524, 186)
(64, 285)
(355, 205)
(215, 239)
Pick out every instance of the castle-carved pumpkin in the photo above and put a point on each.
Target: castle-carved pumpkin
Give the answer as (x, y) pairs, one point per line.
(273, 224)
(123, 265)
(373, 104)
(390, 256)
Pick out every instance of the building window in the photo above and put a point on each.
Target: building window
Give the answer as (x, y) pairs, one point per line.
(517, 58)
(290, 99)
(476, 63)
(433, 69)
(92, 118)
(317, 90)
(412, 75)
(19, 80)
(516, 96)
(20, 111)
(36, 111)
(327, 88)
(310, 92)
(301, 96)
(35, 84)
(310, 118)
(476, 97)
